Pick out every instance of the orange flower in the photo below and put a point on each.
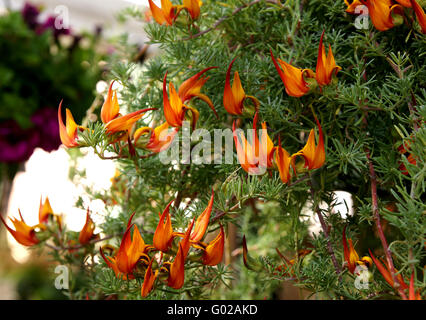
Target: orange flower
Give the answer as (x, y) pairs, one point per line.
(130, 251)
(110, 109)
(193, 8)
(86, 234)
(351, 5)
(202, 221)
(44, 211)
(213, 253)
(160, 139)
(420, 14)
(177, 270)
(254, 157)
(191, 88)
(23, 233)
(164, 235)
(326, 65)
(113, 120)
(387, 274)
(68, 133)
(175, 109)
(293, 78)
(314, 155)
(234, 97)
(149, 280)
(404, 3)
(351, 256)
(112, 263)
(283, 161)
(164, 15)
(381, 11)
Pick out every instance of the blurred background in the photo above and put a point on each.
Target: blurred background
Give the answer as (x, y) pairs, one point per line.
(44, 59)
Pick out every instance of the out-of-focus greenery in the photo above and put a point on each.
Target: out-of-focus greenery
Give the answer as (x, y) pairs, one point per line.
(38, 69)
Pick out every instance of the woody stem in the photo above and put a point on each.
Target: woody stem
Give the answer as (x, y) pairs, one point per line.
(375, 209)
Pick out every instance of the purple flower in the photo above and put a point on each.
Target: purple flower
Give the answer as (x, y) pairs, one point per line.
(50, 24)
(16, 144)
(30, 14)
(46, 123)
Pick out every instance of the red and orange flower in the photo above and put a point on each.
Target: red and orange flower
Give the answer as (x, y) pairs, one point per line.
(234, 96)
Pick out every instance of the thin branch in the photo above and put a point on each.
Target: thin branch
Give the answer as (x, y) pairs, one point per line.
(327, 237)
(375, 209)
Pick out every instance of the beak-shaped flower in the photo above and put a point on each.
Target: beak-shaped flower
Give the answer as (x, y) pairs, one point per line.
(351, 5)
(23, 233)
(191, 88)
(163, 235)
(256, 155)
(86, 233)
(174, 108)
(314, 155)
(164, 15)
(130, 250)
(110, 109)
(125, 123)
(112, 263)
(351, 256)
(44, 211)
(68, 131)
(234, 96)
(202, 221)
(293, 78)
(113, 120)
(381, 11)
(283, 161)
(420, 14)
(177, 270)
(193, 8)
(149, 280)
(326, 65)
(160, 138)
(385, 271)
(214, 251)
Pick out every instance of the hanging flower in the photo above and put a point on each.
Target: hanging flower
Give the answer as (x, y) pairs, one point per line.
(351, 5)
(149, 280)
(68, 132)
(234, 96)
(326, 65)
(164, 15)
(23, 233)
(213, 253)
(164, 235)
(159, 138)
(420, 15)
(86, 233)
(314, 155)
(202, 221)
(294, 79)
(113, 120)
(381, 12)
(351, 256)
(175, 108)
(193, 8)
(254, 156)
(283, 161)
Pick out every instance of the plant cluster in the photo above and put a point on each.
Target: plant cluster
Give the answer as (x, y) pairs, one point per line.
(367, 98)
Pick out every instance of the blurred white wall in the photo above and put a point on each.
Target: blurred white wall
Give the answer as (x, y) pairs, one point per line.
(87, 14)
